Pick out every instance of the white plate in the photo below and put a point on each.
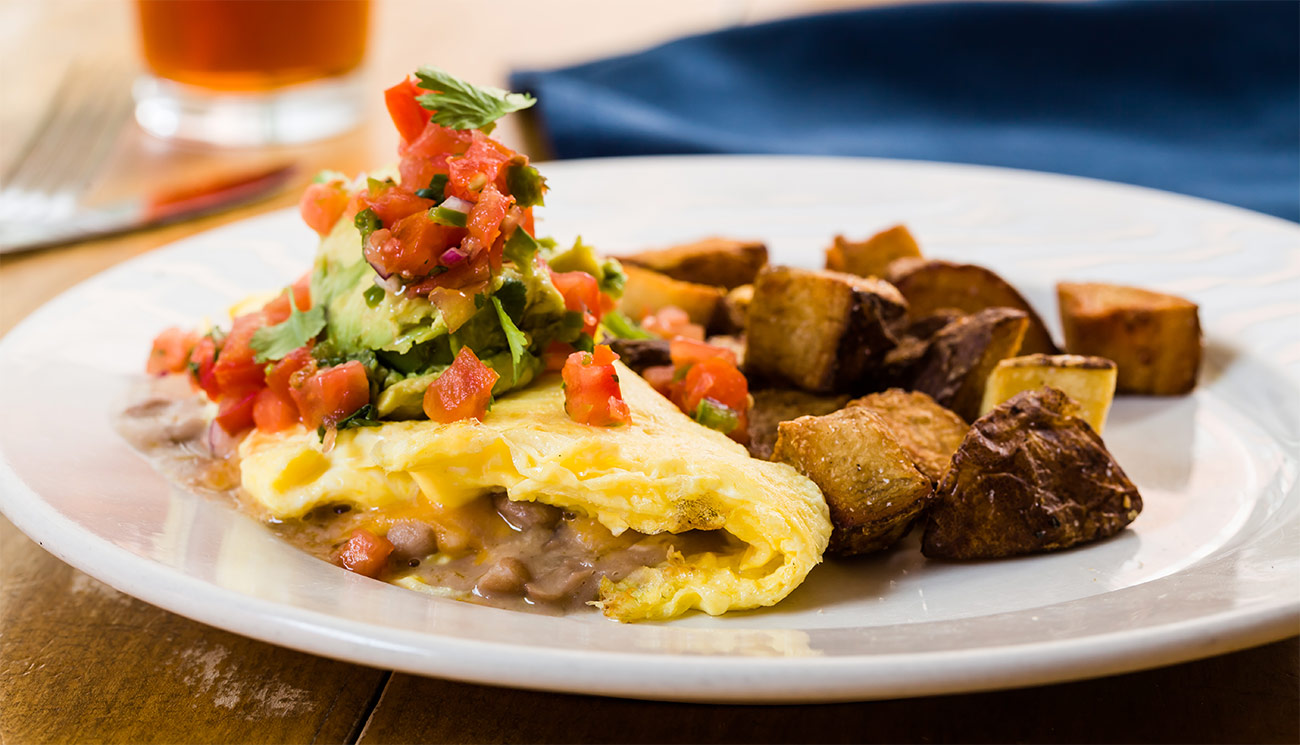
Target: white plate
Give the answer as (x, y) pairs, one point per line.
(1210, 566)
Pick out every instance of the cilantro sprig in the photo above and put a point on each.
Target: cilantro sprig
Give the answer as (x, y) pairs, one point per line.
(459, 105)
(276, 342)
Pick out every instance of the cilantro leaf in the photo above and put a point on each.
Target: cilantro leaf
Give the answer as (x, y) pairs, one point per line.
(459, 105)
(514, 337)
(275, 342)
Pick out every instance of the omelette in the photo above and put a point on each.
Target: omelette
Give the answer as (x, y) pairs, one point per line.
(432, 403)
(663, 474)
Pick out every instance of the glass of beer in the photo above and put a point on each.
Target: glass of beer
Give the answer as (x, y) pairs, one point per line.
(251, 72)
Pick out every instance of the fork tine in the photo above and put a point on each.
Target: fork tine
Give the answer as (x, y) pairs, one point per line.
(69, 146)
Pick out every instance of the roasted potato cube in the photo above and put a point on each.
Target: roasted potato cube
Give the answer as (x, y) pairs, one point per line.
(872, 257)
(957, 363)
(1090, 381)
(901, 362)
(734, 314)
(931, 285)
(870, 484)
(647, 291)
(928, 432)
(722, 262)
(774, 405)
(1030, 476)
(821, 331)
(1154, 338)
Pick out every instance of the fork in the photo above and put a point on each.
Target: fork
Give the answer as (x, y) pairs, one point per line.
(66, 151)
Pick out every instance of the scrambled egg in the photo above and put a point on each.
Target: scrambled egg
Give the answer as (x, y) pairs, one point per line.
(662, 473)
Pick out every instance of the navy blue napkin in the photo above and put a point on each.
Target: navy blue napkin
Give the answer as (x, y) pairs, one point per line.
(1195, 97)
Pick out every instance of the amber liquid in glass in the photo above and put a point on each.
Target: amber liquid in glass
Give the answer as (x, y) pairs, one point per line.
(252, 45)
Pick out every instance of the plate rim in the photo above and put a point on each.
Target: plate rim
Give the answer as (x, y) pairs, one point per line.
(1247, 627)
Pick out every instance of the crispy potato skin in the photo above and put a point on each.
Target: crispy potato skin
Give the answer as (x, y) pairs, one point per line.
(871, 486)
(734, 314)
(930, 285)
(821, 331)
(872, 257)
(1154, 338)
(1090, 381)
(959, 358)
(773, 406)
(639, 354)
(926, 430)
(647, 291)
(1030, 476)
(721, 262)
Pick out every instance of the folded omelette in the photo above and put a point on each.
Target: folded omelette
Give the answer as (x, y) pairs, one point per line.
(749, 530)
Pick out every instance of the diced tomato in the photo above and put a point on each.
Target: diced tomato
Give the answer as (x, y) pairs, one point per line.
(273, 411)
(462, 391)
(686, 352)
(581, 295)
(394, 203)
(470, 276)
(412, 248)
(365, 553)
(556, 354)
(670, 322)
(717, 379)
(277, 310)
(591, 391)
(484, 219)
(527, 221)
(660, 377)
(322, 205)
(330, 394)
(483, 163)
(280, 377)
(235, 412)
(236, 370)
(427, 155)
(408, 115)
(171, 351)
(202, 361)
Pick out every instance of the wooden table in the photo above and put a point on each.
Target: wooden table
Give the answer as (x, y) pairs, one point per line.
(81, 662)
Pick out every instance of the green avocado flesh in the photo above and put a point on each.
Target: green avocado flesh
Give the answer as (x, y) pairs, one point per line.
(407, 337)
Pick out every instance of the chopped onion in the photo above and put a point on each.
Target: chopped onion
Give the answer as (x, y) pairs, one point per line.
(458, 204)
(383, 274)
(389, 284)
(221, 444)
(452, 256)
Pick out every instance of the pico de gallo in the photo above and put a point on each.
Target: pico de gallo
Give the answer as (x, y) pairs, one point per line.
(430, 295)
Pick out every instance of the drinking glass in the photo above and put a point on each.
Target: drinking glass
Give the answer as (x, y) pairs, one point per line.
(251, 72)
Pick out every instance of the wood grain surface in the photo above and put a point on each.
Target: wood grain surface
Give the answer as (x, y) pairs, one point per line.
(81, 662)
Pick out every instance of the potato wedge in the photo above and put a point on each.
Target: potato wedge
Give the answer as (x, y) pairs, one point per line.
(721, 262)
(647, 291)
(821, 331)
(871, 486)
(1030, 476)
(775, 405)
(957, 363)
(928, 432)
(1154, 338)
(872, 257)
(931, 285)
(1090, 381)
(734, 314)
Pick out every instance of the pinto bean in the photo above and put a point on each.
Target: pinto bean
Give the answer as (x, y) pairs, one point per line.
(412, 539)
(524, 515)
(506, 577)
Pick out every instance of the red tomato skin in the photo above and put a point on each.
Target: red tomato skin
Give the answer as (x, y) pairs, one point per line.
(365, 553)
(717, 379)
(273, 411)
(277, 310)
(322, 205)
(686, 352)
(236, 370)
(171, 351)
(407, 114)
(660, 377)
(582, 295)
(203, 360)
(556, 354)
(331, 394)
(462, 391)
(591, 390)
(427, 155)
(670, 322)
(412, 248)
(280, 377)
(484, 220)
(483, 163)
(235, 413)
(394, 203)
